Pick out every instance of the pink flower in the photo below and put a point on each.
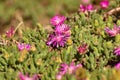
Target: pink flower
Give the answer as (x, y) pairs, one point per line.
(10, 32)
(112, 32)
(104, 4)
(26, 77)
(82, 48)
(59, 76)
(23, 46)
(57, 40)
(86, 8)
(117, 51)
(63, 29)
(57, 20)
(67, 69)
(117, 66)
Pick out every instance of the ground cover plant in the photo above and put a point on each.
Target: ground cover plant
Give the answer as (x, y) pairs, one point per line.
(81, 46)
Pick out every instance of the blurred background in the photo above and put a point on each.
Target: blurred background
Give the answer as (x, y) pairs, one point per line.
(36, 11)
(32, 11)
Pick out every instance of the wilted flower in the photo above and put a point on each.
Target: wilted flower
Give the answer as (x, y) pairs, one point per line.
(82, 48)
(63, 29)
(117, 66)
(23, 46)
(112, 32)
(57, 40)
(104, 4)
(57, 20)
(10, 32)
(26, 77)
(85, 8)
(117, 51)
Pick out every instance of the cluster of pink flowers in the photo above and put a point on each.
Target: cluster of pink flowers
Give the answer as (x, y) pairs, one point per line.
(112, 32)
(22, 46)
(89, 7)
(61, 32)
(67, 69)
(86, 8)
(26, 77)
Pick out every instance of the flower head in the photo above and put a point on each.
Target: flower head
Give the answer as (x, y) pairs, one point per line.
(57, 40)
(82, 48)
(23, 46)
(57, 20)
(26, 77)
(104, 4)
(10, 32)
(63, 29)
(67, 69)
(117, 51)
(85, 8)
(112, 32)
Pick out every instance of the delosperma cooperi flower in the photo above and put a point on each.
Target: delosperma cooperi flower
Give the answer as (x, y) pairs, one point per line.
(112, 32)
(117, 51)
(67, 69)
(57, 20)
(82, 48)
(117, 66)
(57, 40)
(63, 29)
(26, 77)
(22, 46)
(10, 32)
(104, 4)
(86, 8)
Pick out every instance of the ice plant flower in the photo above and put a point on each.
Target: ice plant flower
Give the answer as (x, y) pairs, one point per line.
(26, 77)
(112, 32)
(57, 40)
(117, 66)
(57, 20)
(67, 69)
(86, 8)
(117, 51)
(104, 4)
(82, 48)
(63, 29)
(10, 32)
(22, 46)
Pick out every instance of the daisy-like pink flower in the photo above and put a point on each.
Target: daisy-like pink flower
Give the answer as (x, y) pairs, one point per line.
(65, 68)
(112, 32)
(104, 4)
(23, 46)
(63, 29)
(117, 51)
(57, 20)
(82, 48)
(26, 77)
(86, 8)
(57, 40)
(10, 32)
